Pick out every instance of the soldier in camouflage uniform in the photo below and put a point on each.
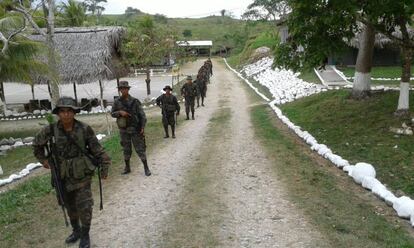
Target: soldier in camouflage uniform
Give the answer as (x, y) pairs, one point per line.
(131, 121)
(74, 168)
(189, 92)
(170, 107)
(201, 89)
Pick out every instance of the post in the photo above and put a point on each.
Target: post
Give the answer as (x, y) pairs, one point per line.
(108, 124)
(75, 93)
(2, 97)
(32, 88)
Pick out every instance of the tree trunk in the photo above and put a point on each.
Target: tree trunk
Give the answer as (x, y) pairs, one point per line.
(50, 91)
(362, 77)
(148, 81)
(2, 97)
(54, 84)
(403, 101)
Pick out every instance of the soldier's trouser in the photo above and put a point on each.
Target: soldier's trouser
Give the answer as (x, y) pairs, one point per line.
(189, 104)
(127, 139)
(79, 204)
(168, 119)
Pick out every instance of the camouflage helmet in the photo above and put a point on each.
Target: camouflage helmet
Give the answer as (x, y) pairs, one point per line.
(66, 102)
(167, 87)
(189, 77)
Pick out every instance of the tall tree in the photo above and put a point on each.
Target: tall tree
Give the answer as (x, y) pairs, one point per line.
(148, 44)
(267, 10)
(328, 25)
(95, 7)
(74, 13)
(18, 57)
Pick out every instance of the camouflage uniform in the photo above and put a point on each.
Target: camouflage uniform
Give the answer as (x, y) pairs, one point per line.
(75, 168)
(170, 107)
(189, 91)
(130, 133)
(201, 89)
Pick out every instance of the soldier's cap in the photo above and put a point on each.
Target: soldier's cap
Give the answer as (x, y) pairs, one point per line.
(66, 102)
(189, 78)
(123, 84)
(167, 87)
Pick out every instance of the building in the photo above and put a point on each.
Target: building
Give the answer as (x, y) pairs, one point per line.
(196, 47)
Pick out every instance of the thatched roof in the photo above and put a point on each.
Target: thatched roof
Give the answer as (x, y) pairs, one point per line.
(86, 54)
(381, 40)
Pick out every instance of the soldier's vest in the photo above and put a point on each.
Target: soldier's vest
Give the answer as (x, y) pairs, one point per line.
(168, 104)
(74, 165)
(125, 122)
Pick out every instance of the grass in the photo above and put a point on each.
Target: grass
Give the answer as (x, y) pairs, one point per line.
(359, 132)
(29, 215)
(333, 207)
(378, 72)
(19, 134)
(310, 76)
(16, 159)
(197, 220)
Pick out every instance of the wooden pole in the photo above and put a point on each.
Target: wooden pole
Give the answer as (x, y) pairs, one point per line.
(75, 92)
(32, 88)
(2, 97)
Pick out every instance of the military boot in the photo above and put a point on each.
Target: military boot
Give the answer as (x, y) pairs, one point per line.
(188, 116)
(166, 132)
(192, 116)
(85, 241)
(173, 132)
(147, 170)
(76, 233)
(127, 168)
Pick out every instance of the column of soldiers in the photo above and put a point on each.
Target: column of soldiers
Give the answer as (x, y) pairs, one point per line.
(70, 149)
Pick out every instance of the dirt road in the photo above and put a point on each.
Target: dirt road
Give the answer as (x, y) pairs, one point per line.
(212, 186)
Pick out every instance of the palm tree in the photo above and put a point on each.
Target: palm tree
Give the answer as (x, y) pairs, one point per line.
(19, 62)
(74, 13)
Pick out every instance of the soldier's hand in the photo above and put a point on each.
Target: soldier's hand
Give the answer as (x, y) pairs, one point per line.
(104, 177)
(124, 113)
(46, 164)
(141, 131)
(178, 113)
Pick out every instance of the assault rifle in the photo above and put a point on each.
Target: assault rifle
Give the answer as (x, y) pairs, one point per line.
(54, 168)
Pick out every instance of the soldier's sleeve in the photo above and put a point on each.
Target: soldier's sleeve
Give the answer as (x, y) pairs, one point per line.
(159, 101)
(115, 110)
(182, 89)
(97, 150)
(40, 142)
(141, 115)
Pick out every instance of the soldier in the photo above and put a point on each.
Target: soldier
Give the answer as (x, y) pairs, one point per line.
(131, 121)
(201, 89)
(210, 67)
(189, 92)
(73, 167)
(169, 105)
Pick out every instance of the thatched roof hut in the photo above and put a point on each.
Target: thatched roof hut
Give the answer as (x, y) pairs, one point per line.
(381, 41)
(87, 54)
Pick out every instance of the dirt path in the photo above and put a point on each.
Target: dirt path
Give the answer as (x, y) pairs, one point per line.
(212, 186)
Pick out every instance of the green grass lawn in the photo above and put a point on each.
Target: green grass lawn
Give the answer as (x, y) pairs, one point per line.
(310, 76)
(377, 71)
(359, 132)
(16, 160)
(338, 209)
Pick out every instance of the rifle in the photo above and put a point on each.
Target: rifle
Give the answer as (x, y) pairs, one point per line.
(54, 168)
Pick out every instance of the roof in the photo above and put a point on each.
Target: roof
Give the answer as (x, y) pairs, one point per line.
(194, 43)
(85, 54)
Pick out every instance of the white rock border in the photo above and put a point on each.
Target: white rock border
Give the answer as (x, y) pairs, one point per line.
(362, 173)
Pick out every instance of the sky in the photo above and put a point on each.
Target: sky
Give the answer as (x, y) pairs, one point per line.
(178, 8)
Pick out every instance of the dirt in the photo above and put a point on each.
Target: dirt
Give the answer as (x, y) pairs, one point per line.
(257, 213)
